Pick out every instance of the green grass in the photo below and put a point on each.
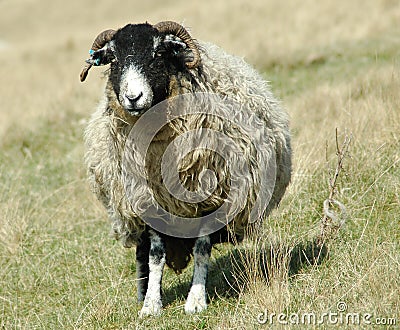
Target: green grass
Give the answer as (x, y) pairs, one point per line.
(341, 63)
(60, 268)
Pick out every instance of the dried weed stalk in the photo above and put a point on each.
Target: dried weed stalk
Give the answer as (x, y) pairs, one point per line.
(334, 211)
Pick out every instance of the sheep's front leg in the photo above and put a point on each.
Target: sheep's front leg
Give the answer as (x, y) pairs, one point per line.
(197, 298)
(142, 265)
(152, 302)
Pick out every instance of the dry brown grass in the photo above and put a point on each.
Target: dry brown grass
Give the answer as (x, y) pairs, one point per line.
(334, 64)
(48, 40)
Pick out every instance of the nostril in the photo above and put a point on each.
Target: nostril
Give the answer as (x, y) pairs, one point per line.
(134, 98)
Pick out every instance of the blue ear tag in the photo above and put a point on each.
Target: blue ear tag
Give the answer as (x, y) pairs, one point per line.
(92, 61)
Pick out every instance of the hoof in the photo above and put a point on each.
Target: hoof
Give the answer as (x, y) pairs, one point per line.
(196, 302)
(152, 308)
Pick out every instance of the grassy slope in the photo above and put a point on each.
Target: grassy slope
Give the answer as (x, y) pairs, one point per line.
(61, 269)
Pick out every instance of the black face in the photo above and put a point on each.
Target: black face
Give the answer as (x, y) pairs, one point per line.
(142, 60)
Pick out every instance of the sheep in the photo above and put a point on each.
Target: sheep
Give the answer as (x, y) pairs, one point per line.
(151, 65)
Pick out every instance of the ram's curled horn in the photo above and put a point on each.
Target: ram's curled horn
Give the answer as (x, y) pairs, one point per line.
(179, 31)
(102, 39)
(98, 43)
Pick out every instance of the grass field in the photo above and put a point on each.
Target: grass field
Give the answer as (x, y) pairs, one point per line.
(333, 64)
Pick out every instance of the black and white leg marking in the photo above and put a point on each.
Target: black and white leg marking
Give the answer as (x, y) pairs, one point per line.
(142, 265)
(197, 298)
(152, 302)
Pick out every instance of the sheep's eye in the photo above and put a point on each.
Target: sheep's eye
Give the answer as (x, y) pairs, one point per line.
(159, 52)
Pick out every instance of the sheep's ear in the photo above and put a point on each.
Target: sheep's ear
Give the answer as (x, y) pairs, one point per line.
(100, 56)
(174, 45)
(103, 56)
(181, 51)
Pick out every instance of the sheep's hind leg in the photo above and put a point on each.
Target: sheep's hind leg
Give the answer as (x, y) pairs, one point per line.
(152, 302)
(142, 265)
(197, 298)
